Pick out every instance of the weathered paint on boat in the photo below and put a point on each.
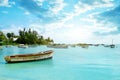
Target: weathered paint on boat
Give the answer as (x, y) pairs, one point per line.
(29, 57)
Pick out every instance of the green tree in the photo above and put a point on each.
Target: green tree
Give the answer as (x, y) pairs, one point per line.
(2, 38)
(31, 37)
(27, 37)
(9, 35)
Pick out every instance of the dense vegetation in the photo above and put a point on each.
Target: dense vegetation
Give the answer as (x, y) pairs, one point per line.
(24, 37)
(2, 38)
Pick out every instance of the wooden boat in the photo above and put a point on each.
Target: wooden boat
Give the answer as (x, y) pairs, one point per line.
(29, 57)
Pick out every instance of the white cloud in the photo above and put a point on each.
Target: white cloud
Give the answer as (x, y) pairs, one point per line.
(101, 27)
(12, 3)
(39, 2)
(82, 7)
(6, 3)
(59, 5)
(12, 28)
(37, 27)
(73, 32)
(106, 28)
(83, 34)
(27, 13)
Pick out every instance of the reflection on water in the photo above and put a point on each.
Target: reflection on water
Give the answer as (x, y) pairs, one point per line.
(33, 64)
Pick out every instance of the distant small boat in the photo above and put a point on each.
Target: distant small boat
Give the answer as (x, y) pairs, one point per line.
(29, 57)
(8, 46)
(73, 45)
(22, 46)
(84, 45)
(112, 45)
(58, 46)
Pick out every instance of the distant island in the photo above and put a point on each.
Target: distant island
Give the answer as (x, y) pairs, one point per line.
(31, 37)
(28, 37)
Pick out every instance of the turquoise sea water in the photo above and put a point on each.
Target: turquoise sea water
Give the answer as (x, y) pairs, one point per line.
(94, 63)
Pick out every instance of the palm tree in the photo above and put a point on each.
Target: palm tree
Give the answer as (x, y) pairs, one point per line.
(9, 35)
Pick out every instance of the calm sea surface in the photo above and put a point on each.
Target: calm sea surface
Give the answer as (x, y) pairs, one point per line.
(94, 63)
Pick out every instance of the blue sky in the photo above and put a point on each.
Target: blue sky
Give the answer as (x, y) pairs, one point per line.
(66, 21)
